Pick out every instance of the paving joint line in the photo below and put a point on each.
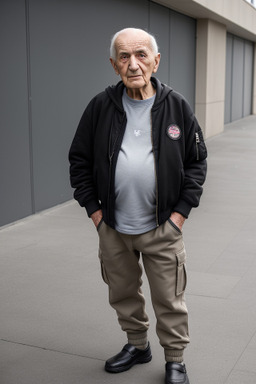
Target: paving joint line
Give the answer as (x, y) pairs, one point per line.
(50, 349)
(240, 356)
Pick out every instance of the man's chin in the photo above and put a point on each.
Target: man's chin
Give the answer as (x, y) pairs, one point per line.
(135, 83)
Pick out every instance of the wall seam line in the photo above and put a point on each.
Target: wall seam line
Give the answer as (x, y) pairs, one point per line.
(32, 191)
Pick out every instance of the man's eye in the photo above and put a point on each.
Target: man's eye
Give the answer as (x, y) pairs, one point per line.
(124, 57)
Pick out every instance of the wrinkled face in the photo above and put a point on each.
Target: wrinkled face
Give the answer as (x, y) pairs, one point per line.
(135, 60)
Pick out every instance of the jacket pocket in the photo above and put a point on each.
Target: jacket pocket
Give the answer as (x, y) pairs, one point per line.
(181, 278)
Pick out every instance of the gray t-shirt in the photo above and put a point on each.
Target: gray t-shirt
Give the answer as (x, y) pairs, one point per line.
(135, 184)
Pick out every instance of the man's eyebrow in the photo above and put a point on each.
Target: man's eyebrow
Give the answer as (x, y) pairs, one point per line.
(141, 50)
(123, 52)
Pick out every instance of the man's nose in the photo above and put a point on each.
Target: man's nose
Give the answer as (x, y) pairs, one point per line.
(133, 65)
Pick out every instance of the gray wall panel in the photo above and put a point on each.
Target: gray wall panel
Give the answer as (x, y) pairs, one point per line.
(237, 79)
(228, 85)
(15, 188)
(159, 25)
(182, 55)
(248, 78)
(177, 45)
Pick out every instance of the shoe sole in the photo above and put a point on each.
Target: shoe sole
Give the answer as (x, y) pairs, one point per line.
(127, 367)
(186, 382)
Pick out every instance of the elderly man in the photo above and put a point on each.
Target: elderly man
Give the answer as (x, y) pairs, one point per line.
(137, 166)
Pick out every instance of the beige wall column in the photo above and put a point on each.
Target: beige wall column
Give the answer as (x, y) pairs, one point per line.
(210, 76)
(254, 83)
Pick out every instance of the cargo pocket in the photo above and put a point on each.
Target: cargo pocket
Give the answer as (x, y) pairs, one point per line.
(181, 279)
(103, 270)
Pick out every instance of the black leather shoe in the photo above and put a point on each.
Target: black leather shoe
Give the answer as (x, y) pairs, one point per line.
(176, 374)
(128, 357)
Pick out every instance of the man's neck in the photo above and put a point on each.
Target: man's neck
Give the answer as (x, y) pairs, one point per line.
(141, 93)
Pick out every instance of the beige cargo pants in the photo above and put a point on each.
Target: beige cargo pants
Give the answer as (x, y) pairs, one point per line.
(163, 254)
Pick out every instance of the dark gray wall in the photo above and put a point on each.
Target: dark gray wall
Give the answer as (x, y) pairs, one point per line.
(177, 44)
(239, 78)
(54, 59)
(15, 175)
(182, 55)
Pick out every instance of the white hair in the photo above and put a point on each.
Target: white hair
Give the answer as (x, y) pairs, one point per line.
(153, 42)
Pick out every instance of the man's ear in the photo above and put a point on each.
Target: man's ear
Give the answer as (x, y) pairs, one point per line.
(112, 61)
(157, 62)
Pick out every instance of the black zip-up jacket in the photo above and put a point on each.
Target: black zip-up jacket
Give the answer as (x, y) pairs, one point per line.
(178, 147)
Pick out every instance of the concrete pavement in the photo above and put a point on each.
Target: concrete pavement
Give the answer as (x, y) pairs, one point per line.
(56, 325)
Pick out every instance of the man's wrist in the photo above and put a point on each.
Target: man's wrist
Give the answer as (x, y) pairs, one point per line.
(178, 219)
(96, 217)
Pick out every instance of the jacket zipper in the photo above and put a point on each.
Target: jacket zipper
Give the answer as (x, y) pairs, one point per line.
(109, 184)
(156, 181)
(111, 155)
(197, 142)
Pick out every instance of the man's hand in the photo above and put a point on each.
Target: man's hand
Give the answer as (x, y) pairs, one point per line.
(178, 219)
(96, 217)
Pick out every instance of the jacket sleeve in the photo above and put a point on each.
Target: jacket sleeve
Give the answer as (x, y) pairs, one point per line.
(195, 165)
(81, 164)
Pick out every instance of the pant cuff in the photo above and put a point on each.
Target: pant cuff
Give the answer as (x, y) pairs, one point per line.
(137, 339)
(173, 355)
